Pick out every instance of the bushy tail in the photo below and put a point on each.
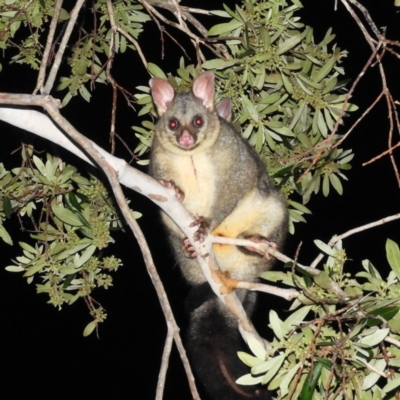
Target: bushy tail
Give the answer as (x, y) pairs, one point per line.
(212, 342)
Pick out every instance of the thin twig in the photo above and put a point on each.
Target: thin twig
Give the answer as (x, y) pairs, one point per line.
(109, 75)
(73, 16)
(336, 238)
(49, 44)
(165, 362)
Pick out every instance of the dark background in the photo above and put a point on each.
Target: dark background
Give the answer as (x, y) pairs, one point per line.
(43, 353)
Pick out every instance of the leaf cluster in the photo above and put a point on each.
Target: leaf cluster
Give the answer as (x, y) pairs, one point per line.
(90, 47)
(331, 347)
(71, 221)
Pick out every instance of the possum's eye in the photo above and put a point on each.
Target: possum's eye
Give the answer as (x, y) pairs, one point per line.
(173, 124)
(198, 121)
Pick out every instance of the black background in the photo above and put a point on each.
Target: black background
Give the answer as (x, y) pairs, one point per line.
(43, 353)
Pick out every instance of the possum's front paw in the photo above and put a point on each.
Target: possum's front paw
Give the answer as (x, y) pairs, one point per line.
(261, 239)
(198, 236)
(171, 185)
(202, 229)
(188, 249)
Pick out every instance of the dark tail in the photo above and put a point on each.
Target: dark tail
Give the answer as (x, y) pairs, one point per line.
(213, 341)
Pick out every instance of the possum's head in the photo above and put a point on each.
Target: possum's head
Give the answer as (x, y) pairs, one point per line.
(188, 121)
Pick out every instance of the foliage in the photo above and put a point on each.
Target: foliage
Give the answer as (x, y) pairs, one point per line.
(91, 49)
(71, 219)
(348, 348)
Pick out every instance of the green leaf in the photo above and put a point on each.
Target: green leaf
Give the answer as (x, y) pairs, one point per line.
(310, 383)
(335, 181)
(66, 216)
(28, 248)
(392, 384)
(375, 337)
(271, 363)
(324, 247)
(248, 359)
(323, 280)
(219, 64)
(287, 84)
(156, 71)
(287, 380)
(385, 312)
(7, 207)
(292, 42)
(279, 327)
(298, 316)
(327, 67)
(5, 235)
(278, 361)
(256, 347)
(14, 268)
(299, 207)
(90, 327)
(325, 186)
(373, 377)
(32, 270)
(39, 165)
(393, 256)
(249, 107)
(220, 13)
(225, 28)
(249, 379)
(87, 253)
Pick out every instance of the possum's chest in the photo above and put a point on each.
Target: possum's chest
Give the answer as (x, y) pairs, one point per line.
(195, 176)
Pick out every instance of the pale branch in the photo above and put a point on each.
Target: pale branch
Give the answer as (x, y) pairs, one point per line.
(165, 362)
(49, 44)
(374, 369)
(392, 341)
(262, 247)
(287, 294)
(336, 238)
(61, 49)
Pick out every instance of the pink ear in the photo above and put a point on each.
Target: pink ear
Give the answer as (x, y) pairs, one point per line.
(224, 109)
(162, 92)
(203, 89)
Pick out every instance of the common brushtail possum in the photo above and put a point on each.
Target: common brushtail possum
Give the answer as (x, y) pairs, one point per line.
(223, 180)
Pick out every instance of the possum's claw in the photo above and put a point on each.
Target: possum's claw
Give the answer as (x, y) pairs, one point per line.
(261, 239)
(171, 185)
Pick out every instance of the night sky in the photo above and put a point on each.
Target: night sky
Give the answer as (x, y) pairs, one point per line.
(43, 352)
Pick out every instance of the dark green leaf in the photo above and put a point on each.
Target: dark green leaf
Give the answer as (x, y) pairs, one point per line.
(310, 383)
(393, 256)
(7, 208)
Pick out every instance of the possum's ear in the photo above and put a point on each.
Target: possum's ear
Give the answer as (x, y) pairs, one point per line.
(163, 93)
(224, 109)
(203, 89)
